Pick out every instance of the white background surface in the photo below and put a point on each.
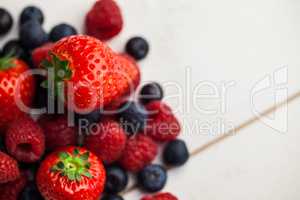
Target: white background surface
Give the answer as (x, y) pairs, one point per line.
(217, 41)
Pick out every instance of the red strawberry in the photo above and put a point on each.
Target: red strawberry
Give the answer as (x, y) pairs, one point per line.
(11, 71)
(160, 196)
(25, 140)
(92, 75)
(104, 20)
(57, 132)
(162, 124)
(132, 70)
(72, 173)
(41, 53)
(139, 152)
(107, 141)
(9, 170)
(11, 190)
(133, 75)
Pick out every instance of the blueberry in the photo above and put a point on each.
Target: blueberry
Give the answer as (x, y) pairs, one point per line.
(32, 35)
(151, 92)
(29, 170)
(2, 145)
(111, 197)
(176, 153)
(6, 21)
(31, 13)
(60, 31)
(116, 179)
(133, 117)
(137, 47)
(152, 178)
(14, 48)
(89, 118)
(30, 192)
(47, 100)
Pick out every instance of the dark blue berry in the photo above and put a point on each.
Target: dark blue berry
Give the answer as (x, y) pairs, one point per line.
(32, 35)
(152, 178)
(30, 192)
(137, 47)
(176, 153)
(116, 179)
(2, 145)
(44, 99)
(14, 48)
(31, 13)
(29, 169)
(151, 92)
(133, 117)
(111, 197)
(6, 21)
(89, 118)
(60, 31)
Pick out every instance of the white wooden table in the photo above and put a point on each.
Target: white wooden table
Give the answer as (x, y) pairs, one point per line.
(230, 60)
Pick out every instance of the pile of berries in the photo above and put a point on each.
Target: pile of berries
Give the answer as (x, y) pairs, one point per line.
(86, 154)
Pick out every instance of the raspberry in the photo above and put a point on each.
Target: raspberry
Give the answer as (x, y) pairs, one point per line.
(162, 124)
(40, 53)
(25, 140)
(9, 170)
(104, 20)
(107, 140)
(160, 196)
(139, 152)
(57, 132)
(11, 190)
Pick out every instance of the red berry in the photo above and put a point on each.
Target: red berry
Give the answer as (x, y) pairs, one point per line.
(10, 72)
(41, 53)
(57, 132)
(107, 141)
(71, 173)
(104, 20)
(160, 196)
(9, 170)
(162, 124)
(25, 140)
(132, 70)
(92, 76)
(139, 152)
(11, 190)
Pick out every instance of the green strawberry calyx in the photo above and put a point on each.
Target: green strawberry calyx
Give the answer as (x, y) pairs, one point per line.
(58, 71)
(6, 62)
(74, 166)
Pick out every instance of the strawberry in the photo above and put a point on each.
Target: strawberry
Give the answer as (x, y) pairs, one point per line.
(108, 141)
(25, 140)
(160, 196)
(12, 88)
(104, 20)
(133, 76)
(11, 190)
(57, 132)
(41, 53)
(162, 124)
(132, 70)
(72, 173)
(139, 152)
(9, 170)
(91, 74)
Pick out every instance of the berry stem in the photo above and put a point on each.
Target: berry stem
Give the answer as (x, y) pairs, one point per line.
(73, 166)
(6, 62)
(58, 71)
